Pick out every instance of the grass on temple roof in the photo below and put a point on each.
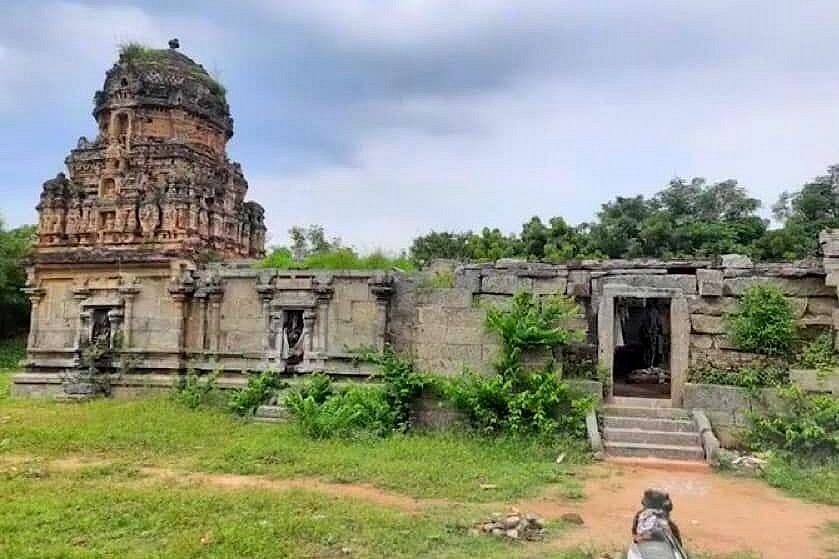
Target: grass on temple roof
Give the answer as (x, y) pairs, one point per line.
(137, 52)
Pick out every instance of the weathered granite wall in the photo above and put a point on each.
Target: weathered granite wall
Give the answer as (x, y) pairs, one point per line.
(174, 315)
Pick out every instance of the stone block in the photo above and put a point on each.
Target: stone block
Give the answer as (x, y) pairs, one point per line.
(798, 305)
(505, 283)
(579, 283)
(550, 286)
(816, 381)
(706, 324)
(736, 261)
(709, 282)
(463, 335)
(822, 305)
(454, 297)
(714, 306)
(684, 282)
(723, 342)
(465, 318)
(701, 341)
(468, 279)
(792, 287)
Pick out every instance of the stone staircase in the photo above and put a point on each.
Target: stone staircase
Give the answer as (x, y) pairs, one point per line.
(649, 428)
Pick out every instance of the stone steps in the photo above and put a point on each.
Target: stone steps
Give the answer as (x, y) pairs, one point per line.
(652, 437)
(650, 424)
(650, 413)
(635, 430)
(271, 414)
(661, 451)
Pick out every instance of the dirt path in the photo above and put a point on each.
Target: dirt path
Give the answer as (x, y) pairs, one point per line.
(715, 513)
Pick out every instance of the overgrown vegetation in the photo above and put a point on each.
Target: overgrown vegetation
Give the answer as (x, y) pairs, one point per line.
(517, 399)
(195, 391)
(752, 376)
(763, 323)
(133, 52)
(800, 424)
(12, 351)
(819, 353)
(259, 390)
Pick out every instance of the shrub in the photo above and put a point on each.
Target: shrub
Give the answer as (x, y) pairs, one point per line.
(515, 399)
(258, 391)
(323, 412)
(402, 384)
(11, 352)
(764, 322)
(806, 425)
(818, 354)
(755, 376)
(195, 391)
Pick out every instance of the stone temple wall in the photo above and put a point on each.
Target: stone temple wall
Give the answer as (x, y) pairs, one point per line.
(166, 317)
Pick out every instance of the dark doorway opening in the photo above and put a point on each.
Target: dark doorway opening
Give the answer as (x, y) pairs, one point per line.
(641, 366)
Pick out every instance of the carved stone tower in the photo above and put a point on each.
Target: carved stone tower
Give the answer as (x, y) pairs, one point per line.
(156, 181)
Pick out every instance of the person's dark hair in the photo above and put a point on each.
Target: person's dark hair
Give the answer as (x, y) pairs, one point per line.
(657, 499)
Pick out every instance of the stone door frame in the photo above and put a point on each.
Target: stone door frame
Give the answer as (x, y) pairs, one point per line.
(679, 333)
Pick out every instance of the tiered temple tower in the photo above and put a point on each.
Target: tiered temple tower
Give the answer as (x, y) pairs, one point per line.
(156, 181)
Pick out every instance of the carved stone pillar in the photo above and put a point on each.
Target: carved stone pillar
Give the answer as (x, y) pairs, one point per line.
(36, 294)
(115, 319)
(178, 298)
(382, 292)
(200, 299)
(128, 294)
(81, 294)
(309, 320)
(214, 322)
(320, 337)
(266, 294)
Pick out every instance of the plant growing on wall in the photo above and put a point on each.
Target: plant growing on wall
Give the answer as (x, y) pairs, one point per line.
(516, 399)
(763, 323)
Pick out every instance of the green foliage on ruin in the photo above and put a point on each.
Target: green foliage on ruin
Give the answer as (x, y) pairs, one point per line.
(751, 377)
(819, 353)
(800, 424)
(323, 410)
(763, 323)
(518, 399)
(138, 53)
(258, 391)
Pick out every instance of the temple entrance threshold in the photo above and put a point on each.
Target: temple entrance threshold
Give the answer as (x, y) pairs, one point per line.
(643, 337)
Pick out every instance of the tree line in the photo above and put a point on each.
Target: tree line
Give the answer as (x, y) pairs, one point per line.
(687, 218)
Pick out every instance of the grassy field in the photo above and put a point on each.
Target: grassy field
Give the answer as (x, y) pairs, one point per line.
(151, 478)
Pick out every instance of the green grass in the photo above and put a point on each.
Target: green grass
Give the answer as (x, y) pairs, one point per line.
(11, 352)
(160, 431)
(817, 482)
(83, 516)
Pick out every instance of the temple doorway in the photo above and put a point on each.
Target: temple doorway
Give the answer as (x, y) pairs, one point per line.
(641, 362)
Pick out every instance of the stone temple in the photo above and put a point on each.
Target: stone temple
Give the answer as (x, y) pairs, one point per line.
(156, 180)
(146, 250)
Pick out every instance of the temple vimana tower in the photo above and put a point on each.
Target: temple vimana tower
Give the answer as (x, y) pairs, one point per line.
(156, 179)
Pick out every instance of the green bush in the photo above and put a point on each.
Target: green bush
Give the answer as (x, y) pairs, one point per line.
(195, 391)
(258, 391)
(755, 376)
(805, 425)
(527, 403)
(515, 399)
(818, 354)
(764, 322)
(323, 412)
(402, 384)
(11, 352)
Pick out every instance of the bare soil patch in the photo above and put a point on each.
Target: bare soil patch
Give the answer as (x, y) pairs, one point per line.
(715, 513)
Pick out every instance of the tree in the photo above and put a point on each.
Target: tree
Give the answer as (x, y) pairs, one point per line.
(444, 244)
(617, 233)
(306, 241)
(15, 246)
(804, 214)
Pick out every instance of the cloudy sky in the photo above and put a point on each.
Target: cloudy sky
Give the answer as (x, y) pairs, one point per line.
(383, 119)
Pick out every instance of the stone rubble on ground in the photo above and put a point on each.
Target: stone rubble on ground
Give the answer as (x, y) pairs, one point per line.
(514, 526)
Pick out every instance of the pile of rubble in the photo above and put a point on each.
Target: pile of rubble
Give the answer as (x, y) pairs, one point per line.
(514, 526)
